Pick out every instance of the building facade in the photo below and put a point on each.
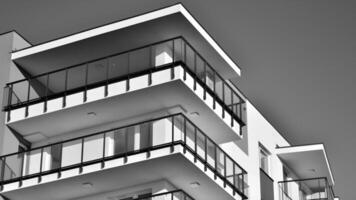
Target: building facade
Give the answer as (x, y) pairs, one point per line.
(142, 108)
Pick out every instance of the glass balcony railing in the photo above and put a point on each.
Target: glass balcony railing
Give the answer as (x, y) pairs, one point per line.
(125, 66)
(143, 137)
(306, 189)
(171, 195)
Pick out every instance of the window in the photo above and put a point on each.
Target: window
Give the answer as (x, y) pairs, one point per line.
(264, 159)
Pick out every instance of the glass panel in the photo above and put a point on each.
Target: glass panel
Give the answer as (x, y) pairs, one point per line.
(211, 153)
(229, 170)
(139, 60)
(38, 87)
(238, 177)
(190, 57)
(210, 78)
(228, 96)
(145, 137)
(32, 162)
(52, 157)
(178, 49)
(56, 82)
(220, 164)
(12, 166)
(200, 73)
(97, 71)
(71, 153)
(5, 98)
(93, 147)
(19, 92)
(161, 131)
(76, 77)
(163, 53)
(201, 144)
(120, 141)
(178, 196)
(190, 131)
(178, 128)
(118, 66)
(219, 87)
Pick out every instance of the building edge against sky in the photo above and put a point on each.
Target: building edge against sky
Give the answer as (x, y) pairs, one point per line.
(274, 169)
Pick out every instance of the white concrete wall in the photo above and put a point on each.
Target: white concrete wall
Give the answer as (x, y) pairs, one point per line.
(9, 72)
(259, 130)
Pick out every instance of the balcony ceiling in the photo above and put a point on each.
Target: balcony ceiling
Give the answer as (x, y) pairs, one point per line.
(308, 161)
(120, 40)
(174, 168)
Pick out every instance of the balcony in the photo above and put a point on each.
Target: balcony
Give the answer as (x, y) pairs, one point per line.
(123, 73)
(115, 148)
(306, 189)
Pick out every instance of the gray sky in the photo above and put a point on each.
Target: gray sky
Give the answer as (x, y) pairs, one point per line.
(298, 58)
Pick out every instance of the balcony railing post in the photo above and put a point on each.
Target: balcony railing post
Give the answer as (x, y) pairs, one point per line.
(232, 109)
(172, 146)
(216, 161)
(243, 182)
(223, 99)
(128, 74)
(185, 135)
(107, 77)
(225, 178)
(21, 168)
(2, 173)
(85, 95)
(206, 152)
(173, 57)
(60, 160)
(195, 71)
(65, 88)
(46, 93)
(214, 88)
(41, 163)
(28, 98)
(233, 177)
(9, 103)
(151, 66)
(104, 147)
(195, 144)
(150, 139)
(81, 156)
(205, 81)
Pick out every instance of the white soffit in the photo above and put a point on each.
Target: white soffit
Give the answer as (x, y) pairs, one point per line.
(178, 8)
(299, 153)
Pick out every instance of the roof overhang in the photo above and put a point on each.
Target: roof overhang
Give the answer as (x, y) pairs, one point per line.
(21, 55)
(307, 161)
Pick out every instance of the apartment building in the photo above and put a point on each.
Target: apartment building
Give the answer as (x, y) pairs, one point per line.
(142, 108)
